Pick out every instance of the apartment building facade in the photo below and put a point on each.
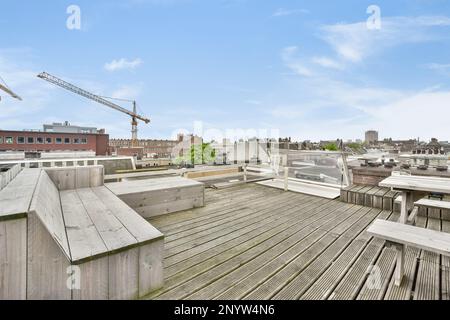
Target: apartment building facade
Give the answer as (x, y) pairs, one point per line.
(40, 141)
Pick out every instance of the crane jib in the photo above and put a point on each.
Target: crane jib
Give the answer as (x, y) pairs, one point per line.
(70, 87)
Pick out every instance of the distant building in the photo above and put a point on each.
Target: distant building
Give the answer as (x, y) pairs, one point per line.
(35, 141)
(184, 144)
(288, 144)
(371, 136)
(149, 148)
(66, 127)
(153, 148)
(433, 147)
(400, 145)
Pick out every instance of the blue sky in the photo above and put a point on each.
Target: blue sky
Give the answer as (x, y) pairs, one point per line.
(310, 69)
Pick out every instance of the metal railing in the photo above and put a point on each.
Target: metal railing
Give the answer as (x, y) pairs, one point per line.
(324, 168)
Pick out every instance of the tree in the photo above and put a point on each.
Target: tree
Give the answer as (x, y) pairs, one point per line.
(331, 147)
(198, 154)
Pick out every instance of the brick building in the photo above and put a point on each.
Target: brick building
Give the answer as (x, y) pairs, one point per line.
(155, 148)
(40, 141)
(150, 147)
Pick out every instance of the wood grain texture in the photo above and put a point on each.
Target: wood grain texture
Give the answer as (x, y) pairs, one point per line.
(425, 239)
(47, 264)
(13, 259)
(16, 197)
(416, 183)
(316, 247)
(160, 196)
(124, 275)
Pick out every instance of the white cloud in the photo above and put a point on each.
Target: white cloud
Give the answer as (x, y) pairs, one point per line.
(123, 64)
(129, 92)
(327, 63)
(330, 109)
(282, 12)
(253, 102)
(425, 113)
(443, 69)
(354, 41)
(287, 112)
(23, 81)
(288, 55)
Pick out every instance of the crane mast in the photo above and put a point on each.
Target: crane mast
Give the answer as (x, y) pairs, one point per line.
(70, 87)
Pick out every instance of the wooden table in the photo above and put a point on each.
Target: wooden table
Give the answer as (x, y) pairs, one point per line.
(413, 187)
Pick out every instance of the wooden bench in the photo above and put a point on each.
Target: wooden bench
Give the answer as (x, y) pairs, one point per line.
(436, 209)
(154, 197)
(427, 208)
(402, 235)
(80, 243)
(15, 199)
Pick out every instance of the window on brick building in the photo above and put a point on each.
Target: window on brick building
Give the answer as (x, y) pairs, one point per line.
(1, 140)
(58, 140)
(20, 140)
(76, 140)
(48, 140)
(9, 140)
(84, 141)
(30, 140)
(66, 140)
(39, 140)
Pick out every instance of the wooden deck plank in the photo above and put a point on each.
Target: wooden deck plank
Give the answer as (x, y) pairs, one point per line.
(305, 215)
(242, 219)
(289, 271)
(428, 275)
(377, 281)
(302, 281)
(238, 215)
(325, 283)
(404, 292)
(310, 233)
(350, 285)
(286, 235)
(183, 220)
(331, 249)
(196, 249)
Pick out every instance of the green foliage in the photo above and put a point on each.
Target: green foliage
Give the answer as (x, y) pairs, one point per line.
(355, 146)
(199, 154)
(331, 147)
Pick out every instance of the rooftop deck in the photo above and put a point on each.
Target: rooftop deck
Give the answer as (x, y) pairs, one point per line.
(255, 242)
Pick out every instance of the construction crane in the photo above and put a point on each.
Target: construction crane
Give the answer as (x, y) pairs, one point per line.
(9, 91)
(133, 114)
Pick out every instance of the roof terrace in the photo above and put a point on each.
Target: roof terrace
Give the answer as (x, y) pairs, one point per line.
(256, 242)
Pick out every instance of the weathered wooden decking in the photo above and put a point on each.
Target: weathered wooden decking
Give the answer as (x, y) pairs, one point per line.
(254, 242)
